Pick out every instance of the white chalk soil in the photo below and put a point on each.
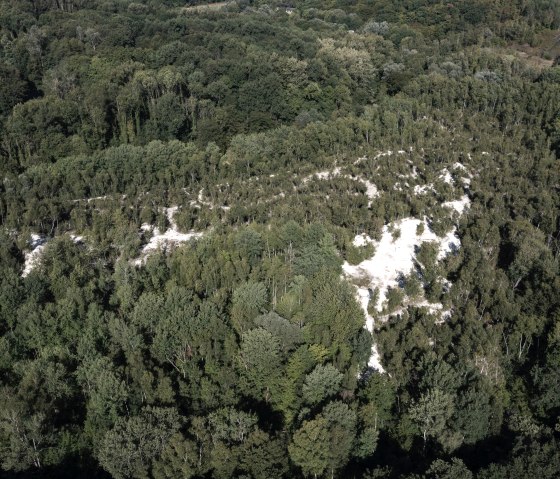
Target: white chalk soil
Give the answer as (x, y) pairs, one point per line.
(446, 177)
(393, 257)
(371, 189)
(362, 296)
(37, 245)
(33, 257)
(458, 205)
(362, 240)
(159, 240)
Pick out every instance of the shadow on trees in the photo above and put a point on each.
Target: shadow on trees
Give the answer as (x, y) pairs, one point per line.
(70, 468)
(390, 454)
(273, 420)
(495, 449)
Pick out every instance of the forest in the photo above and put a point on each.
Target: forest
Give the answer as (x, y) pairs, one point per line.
(264, 239)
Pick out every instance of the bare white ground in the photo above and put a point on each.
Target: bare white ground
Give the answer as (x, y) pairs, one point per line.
(446, 176)
(33, 257)
(172, 236)
(362, 295)
(37, 244)
(371, 189)
(362, 240)
(458, 205)
(394, 256)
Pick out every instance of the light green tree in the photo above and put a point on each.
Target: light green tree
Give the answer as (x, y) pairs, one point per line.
(129, 449)
(249, 299)
(309, 448)
(323, 382)
(260, 360)
(431, 412)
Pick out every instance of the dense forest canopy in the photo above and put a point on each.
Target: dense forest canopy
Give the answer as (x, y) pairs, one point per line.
(264, 239)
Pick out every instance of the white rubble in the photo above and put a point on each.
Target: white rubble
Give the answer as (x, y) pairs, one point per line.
(450, 243)
(435, 309)
(37, 245)
(371, 189)
(33, 257)
(423, 189)
(325, 175)
(394, 257)
(383, 153)
(458, 205)
(431, 307)
(76, 238)
(161, 240)
(362, 296)
(362, 240)
(459, 166)
(446, 176)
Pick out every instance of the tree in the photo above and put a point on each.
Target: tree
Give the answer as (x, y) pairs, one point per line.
(333, 316)
(26, 439)
(40, 130)
(309, 448)
(176, 331)
(179, 458)
(366, 443)
(231, 425)
(474, 413)
(31, 416)
(260, 361)
(455, 469)
(288, 334)
(14, 90)
(248, 301)
(249, 244)
(528, 251)
(289, 400)
(341, 425)
(130, 448)
(106, 394)
(431, 413)
(321, 383)
(264, 457)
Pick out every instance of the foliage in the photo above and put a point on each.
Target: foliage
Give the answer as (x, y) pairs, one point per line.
(279, 131)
